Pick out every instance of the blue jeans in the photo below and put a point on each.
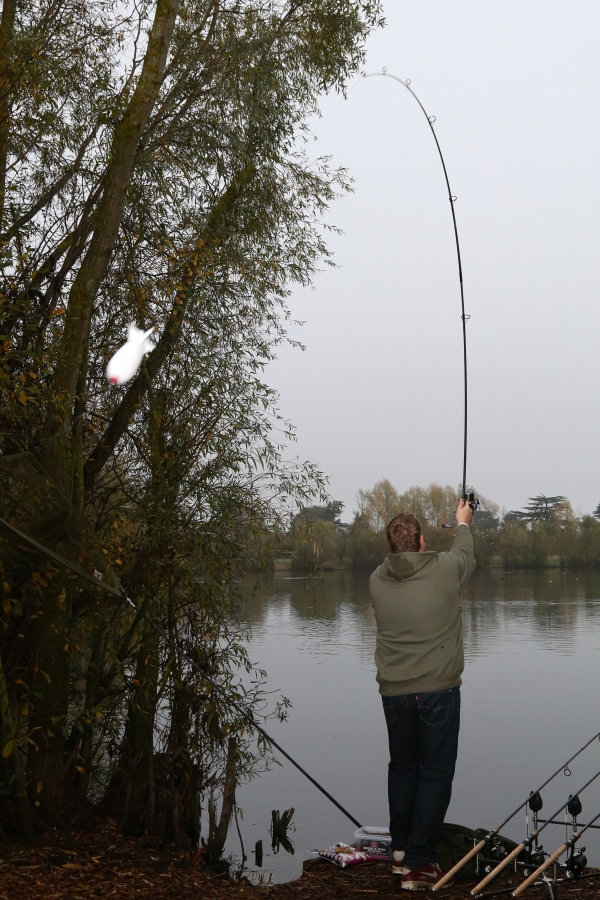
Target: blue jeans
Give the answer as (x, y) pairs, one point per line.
(423, 736)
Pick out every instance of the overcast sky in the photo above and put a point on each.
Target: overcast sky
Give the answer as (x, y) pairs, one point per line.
(515, 88)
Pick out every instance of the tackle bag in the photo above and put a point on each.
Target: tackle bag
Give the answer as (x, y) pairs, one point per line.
(456, 841)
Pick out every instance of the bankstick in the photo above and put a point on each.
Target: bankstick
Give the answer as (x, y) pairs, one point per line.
(551, 859)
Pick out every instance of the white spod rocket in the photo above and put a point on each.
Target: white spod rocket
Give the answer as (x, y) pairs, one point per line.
(127, 360)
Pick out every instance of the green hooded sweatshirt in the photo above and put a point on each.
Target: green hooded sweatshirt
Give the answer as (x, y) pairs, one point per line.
(419, 622)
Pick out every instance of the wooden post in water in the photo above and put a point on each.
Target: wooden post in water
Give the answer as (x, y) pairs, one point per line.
(275, 830)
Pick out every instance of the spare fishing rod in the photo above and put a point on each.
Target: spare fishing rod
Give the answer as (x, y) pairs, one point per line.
(245, 713)
(468, 496)
(492, 834)
(529, 840)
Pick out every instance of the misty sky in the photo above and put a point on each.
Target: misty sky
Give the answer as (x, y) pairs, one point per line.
(515, 87)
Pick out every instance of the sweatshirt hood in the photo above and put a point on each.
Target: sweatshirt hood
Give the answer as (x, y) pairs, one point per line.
(401, 566)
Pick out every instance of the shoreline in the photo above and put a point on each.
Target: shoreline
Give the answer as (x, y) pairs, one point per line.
(103, 862)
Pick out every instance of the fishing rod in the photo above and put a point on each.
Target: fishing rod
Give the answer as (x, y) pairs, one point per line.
(492, 834)
(527, 843)
(468, 496)
(568, 845)
(245, 713)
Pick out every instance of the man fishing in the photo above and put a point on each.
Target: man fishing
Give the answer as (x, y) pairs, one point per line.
(416, 596)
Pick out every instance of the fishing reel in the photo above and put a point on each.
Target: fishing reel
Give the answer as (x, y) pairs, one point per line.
(576, 864)
(470, 498)
(496, 854)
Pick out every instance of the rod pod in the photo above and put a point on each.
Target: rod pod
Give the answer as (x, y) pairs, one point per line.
(492, 834)
(568, 845)
(535, 804)
(572, 803)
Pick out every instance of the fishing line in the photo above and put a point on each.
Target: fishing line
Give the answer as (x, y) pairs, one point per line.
(343, 100)
(35, 512)
(99, 580)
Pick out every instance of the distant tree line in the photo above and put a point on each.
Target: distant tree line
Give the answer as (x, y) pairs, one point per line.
(545, 532)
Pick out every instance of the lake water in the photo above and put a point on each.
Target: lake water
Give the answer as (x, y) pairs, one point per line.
(530, 699)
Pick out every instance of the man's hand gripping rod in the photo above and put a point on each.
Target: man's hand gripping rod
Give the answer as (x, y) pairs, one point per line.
(470, 498)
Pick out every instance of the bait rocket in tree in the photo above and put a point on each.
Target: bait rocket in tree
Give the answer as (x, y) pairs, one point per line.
(126, 361)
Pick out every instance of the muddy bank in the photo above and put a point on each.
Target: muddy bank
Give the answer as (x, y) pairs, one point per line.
(103, 863)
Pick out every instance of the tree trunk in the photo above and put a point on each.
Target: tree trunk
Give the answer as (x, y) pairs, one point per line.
(178, 778)
(215, 231)
(7, 27)
(218, 833)
(129, 794)
(78, 495)
(128, 131)
(81, 779)
(8, 712)
(47, 762)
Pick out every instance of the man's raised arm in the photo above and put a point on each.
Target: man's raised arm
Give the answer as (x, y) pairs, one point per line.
(462, 548)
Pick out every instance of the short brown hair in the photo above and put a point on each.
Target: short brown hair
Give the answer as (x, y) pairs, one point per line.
(404, 533)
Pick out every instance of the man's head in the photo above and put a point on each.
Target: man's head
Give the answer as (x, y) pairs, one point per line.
(404, 534)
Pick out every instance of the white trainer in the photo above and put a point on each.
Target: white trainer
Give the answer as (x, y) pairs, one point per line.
(397, 868)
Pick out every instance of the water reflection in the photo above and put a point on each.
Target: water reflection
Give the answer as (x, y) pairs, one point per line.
(529, 700)
(550, 608)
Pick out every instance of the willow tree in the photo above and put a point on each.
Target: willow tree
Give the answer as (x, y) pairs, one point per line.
(152, 170)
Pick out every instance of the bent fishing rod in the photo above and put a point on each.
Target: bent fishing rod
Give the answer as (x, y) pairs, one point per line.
(526, 844)
(469, 496)
(492, 834)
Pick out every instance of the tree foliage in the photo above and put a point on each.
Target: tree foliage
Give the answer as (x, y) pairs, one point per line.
(152, 170)
(538, 509)
(548, 532)
(363, 544)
